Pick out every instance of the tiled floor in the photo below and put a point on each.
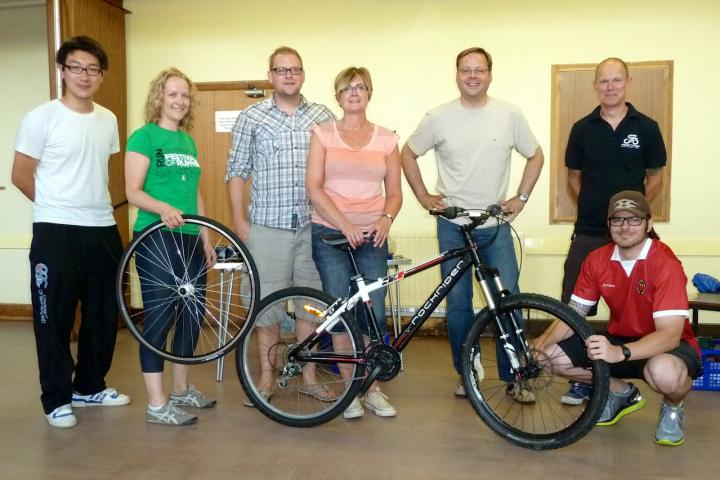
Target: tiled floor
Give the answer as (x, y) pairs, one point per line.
(434, 436)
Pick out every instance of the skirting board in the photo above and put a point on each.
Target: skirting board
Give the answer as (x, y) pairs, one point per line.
(15, 311)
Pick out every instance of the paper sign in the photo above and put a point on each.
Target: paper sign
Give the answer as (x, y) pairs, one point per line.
(225, 120)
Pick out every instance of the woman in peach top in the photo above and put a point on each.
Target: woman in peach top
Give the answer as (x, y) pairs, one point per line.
(353, 182)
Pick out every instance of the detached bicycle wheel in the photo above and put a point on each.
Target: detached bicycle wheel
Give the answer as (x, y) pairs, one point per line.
(532, 414)
(186, 300)
(309, 388)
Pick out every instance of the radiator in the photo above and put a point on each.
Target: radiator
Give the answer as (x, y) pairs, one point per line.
(416, 289)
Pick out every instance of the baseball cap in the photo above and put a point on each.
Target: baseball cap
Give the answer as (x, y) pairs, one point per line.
(629, 201)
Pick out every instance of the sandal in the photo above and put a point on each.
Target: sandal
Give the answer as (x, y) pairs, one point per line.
(319, 392)
(264, 394)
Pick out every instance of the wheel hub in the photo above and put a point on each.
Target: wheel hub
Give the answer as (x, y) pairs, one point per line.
(186, 290)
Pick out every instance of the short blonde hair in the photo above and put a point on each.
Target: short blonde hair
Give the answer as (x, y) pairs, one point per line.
(283, 50)
(343, 79)
(155, 95)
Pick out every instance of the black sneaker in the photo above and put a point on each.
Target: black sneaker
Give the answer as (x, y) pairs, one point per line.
(620, 404)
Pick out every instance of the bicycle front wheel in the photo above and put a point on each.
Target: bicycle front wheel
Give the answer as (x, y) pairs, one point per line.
(310, 388)
(534, 415)
(186, 294)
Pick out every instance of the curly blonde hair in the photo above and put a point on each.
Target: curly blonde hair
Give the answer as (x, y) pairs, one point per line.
(153, 102)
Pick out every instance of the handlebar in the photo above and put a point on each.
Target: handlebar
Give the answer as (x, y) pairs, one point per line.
(482, 215)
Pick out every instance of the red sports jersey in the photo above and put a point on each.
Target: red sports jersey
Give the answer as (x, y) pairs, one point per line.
(654, 288)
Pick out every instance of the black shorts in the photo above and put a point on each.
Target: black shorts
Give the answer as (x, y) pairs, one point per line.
(574, 348)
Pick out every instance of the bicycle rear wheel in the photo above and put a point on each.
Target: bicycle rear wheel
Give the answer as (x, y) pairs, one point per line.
(544, 423)
(294, 392)
(179, 301)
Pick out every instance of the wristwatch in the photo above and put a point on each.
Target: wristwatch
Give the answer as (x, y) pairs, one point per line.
(523, 197)
(626, 352)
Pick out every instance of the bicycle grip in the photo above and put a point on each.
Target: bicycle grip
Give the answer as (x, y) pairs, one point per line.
(448, 212)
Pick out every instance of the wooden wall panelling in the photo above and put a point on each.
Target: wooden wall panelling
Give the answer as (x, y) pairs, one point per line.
(573, 97)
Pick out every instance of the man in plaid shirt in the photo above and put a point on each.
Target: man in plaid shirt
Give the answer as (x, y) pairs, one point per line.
(270, 144)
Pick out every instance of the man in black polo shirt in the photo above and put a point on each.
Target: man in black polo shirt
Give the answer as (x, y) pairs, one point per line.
(614, 148)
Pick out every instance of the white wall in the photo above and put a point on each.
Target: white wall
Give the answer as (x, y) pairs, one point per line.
(410, 47)
(24, 84)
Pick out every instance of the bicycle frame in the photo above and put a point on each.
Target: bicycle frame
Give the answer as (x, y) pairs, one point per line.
(484, 274)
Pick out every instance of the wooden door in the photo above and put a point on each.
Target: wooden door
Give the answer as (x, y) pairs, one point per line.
(103, 21)
(213, 145)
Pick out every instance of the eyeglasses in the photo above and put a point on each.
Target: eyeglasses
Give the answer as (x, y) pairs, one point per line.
(618, 221)
(360, 87)
(281, 71)
(475, 71)
(78, 69)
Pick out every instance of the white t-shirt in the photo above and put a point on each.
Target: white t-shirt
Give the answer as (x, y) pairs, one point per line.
(73, 149)
(473, 148)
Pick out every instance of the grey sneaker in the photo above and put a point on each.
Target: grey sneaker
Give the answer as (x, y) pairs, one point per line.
(670, 430)
(620, 404)
(192, 398)
(169, 414)
(460, 390)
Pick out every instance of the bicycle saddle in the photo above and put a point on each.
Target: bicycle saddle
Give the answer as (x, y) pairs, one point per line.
(339, 240)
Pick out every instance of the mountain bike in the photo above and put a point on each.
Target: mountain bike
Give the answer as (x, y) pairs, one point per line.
(345, 362)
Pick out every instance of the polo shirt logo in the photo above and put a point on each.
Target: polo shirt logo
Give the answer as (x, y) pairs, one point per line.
(632, 141)
(641, 287)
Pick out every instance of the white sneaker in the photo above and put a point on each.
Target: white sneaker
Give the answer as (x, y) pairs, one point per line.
(355, 409)
(377, 402)
(460, 390)
(479, 370)
(107, 398)
(62, 417)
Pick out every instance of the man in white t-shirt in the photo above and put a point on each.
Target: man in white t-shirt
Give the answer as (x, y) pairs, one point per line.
(61, 165)
(473, 138)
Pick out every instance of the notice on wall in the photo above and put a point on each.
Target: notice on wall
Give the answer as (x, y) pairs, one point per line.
(225, 119)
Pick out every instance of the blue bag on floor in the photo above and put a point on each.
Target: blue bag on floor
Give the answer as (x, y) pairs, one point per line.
(706, 283)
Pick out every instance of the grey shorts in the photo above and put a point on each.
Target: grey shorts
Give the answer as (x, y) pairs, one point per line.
(284, 259)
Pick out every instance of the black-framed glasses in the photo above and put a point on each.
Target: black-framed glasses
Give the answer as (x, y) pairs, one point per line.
(78, 69)
(632, 221)
(360, 87)
(285, 70)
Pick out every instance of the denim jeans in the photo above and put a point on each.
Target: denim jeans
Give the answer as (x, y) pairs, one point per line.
(336, 269)
(161, 305)
(501, 255)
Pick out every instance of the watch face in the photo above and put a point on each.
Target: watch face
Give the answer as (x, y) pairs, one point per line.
(626, 352)
(523, 197)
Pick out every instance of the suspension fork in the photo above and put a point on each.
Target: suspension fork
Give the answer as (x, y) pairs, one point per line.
(510, 328)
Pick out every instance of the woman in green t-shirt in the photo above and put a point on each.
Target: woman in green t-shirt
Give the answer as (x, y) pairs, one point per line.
(162, 179)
